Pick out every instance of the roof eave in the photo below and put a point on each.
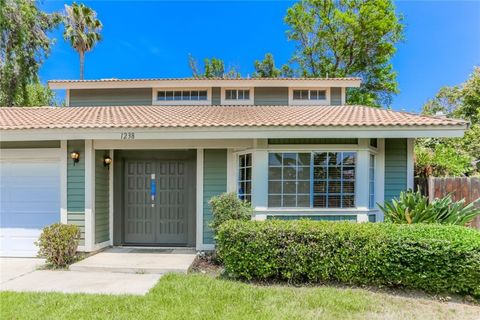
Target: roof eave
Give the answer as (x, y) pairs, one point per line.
(178, 83)
(246, 132)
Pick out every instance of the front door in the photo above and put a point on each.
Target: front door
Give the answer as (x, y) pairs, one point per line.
(158, 201)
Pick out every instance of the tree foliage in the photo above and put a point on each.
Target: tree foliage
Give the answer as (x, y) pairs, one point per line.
(348, 38)
(82, 30)
(267, 69)
(23, 46)
(212, 68)
(453, 156)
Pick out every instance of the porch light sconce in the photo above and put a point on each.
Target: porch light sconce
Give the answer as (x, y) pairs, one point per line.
(75, 157)
(107, 161)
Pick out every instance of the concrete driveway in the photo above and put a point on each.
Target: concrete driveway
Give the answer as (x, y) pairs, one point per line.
(11, 268)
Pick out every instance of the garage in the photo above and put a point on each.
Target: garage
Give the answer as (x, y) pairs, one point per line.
(29, 200)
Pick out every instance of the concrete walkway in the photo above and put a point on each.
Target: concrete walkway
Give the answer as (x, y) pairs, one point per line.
(11, 268)
(140, 261)
(82, 282)
(113, 271)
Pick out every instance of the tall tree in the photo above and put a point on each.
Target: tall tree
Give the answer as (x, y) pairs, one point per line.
(82, 29)
(348, 38)
(23, 46)
(212, 68)
(266, 68)
(461, 101)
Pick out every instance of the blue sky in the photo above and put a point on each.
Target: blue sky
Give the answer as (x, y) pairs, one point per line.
(154, 39)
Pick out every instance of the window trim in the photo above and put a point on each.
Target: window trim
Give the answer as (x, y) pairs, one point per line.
(311, 208)
(293, 102)
(237, 171)
(181, 102)
(224, 101)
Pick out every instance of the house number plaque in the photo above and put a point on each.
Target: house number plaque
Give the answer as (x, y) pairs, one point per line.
(127, 135)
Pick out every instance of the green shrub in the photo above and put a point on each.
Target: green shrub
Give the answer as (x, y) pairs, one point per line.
(228, 206)
(413, 207)
(435, 258)
(58, 244)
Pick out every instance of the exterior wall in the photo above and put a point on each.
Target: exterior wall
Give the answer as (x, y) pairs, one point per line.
(270, 96)
(335, 96)
(313, 141)
(214, 183)
(395, 167)
(110, 97)
(29, 144)
(76, 187)
(102, 200)
(314, 217)
(216, 92)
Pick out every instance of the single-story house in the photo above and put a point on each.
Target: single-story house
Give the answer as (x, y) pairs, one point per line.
(136, 161)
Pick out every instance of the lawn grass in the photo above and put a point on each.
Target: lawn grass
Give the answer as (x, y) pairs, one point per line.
(198, 296)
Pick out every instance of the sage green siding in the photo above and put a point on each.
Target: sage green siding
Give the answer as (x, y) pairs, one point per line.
(315, 218)
(274, 96)
(110, 97)
(76, 187)
(395, 167)
(216, 96)
(214, 183)
(314, 141)
(335, 96)
(29, 144)
(102, 195)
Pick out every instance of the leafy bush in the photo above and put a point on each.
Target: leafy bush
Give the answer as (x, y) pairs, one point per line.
(58, 244)
(413, 207)
(228, 206)
(435, 258)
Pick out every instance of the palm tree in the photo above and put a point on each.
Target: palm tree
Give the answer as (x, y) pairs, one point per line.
(82, 30)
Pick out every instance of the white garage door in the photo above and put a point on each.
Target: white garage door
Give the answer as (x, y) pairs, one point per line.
(29, 200)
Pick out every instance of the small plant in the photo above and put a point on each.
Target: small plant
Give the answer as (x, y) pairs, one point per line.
(413, 207)
(228, 206)
(58, 244)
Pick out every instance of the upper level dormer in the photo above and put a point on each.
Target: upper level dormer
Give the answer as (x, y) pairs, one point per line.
(193, 91)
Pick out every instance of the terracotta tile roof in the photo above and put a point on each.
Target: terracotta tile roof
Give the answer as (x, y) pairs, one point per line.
(192, 78)
(212, 116)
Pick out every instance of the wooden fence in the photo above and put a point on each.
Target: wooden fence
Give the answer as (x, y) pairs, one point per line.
(459, 188)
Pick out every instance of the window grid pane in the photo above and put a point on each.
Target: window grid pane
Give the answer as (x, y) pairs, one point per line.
(179, 95)
(245, 177)
(371, 185)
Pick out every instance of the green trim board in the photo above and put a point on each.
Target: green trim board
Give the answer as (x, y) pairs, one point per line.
(270, 96)
(29, 144)
(313, 141)
(335, 96)
(76, 187)
(313, 217)
(395, 167)
(214, 183)
(102, 198)
(110, 97)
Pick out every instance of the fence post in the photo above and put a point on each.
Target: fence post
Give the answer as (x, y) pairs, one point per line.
(431, 188)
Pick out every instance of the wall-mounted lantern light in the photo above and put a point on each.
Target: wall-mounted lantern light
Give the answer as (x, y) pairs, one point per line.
(107, 161)
(75, 157)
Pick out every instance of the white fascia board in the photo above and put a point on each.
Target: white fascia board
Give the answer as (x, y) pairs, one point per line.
(233, 133)
(205, 82)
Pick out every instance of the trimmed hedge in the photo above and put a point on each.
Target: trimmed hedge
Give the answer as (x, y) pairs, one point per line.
(434, 258)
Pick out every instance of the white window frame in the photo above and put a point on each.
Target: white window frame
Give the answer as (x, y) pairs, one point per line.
(182, 102)
(308, 102)
(237, 171)
(311, 207)
(224, 101)
(372, 163)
